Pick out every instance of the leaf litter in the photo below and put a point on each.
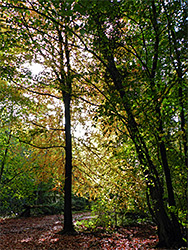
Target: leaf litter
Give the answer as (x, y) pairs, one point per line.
(41, 233)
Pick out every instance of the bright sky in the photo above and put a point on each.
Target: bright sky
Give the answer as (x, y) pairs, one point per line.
(36, 68)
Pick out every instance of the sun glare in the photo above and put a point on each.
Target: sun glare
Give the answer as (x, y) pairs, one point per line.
(35, 68)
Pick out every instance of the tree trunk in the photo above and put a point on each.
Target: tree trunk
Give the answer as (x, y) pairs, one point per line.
(4, 157)
(169, 232)
(66, 87)
(171, 198)
(68, 223)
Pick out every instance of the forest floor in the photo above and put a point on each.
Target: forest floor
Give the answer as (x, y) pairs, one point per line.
(39, 233)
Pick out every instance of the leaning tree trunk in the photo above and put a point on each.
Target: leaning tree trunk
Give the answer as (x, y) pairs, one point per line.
(168, 230)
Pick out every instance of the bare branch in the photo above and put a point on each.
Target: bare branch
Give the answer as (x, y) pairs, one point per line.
(41, 147)
(55, 129)
(36, 92)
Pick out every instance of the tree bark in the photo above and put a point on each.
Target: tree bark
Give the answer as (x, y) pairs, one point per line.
(4, 157)
(68, 223)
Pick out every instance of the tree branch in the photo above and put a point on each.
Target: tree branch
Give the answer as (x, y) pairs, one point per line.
(36, 92)
(41, 147)
(55, 129)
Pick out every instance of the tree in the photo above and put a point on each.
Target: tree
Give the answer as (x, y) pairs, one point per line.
(46, 30)
(131, 41)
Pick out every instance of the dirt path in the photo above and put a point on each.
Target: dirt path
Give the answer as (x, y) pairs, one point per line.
(39, 233)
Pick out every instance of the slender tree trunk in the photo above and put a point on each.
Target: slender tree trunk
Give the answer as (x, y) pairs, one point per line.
(66, 87)
(68, 223)
(4, 157)
(183, 125)
(171, 198)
